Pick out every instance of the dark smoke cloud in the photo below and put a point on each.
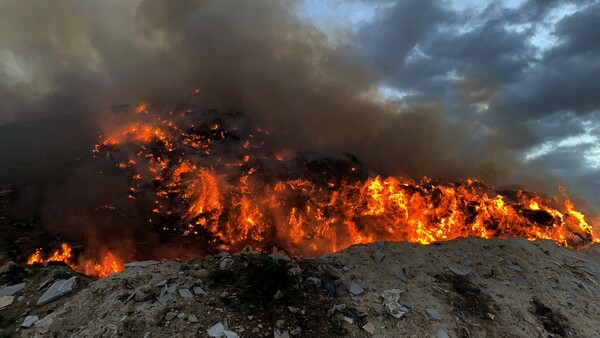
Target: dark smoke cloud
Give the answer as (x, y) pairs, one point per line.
(260, 57)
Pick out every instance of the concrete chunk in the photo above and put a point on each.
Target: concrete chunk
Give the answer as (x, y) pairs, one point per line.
(29, 321)
(185, 293)
(11, 290)
(142, 264)
(355, 289)
(58, 289)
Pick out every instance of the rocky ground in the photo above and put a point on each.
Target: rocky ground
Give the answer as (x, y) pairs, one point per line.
(468, 287)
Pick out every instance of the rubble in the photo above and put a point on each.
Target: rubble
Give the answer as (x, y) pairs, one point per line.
(355, 289)
(434, 313)
(11, 290)
(58, 289)
(142, 264)
(29, 321)
(6, 301)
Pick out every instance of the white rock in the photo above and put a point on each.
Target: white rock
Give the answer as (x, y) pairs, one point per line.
(230, 334)
(216, 330)
(58, 289)
(29, 321)
(11, 290)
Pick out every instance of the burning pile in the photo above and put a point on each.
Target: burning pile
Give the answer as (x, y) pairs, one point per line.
(214, 177)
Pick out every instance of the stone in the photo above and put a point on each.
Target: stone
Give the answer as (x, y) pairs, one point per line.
(230, 334)
(6, 301)
(142, 264)
(11, 290)
(278, 334)
(314, 281)
(171, 289)
(514, 267)
(164, 299)
(401, 276)
(140, 296)
(226, 263)
(441, 333)
(161, 283)
(369, 327)
(519, 280)
(185, 293)
(355, 289)
(216, 330)
(459, 272)
(181, 315)
(58, 289)
(192, 318)
(201, 273)
(199, 291)
(380, 244)
(147, 334)
(434, 313)
(170, 315)
(296, 331)
(330, 287)
(378, 256)
(29, 321)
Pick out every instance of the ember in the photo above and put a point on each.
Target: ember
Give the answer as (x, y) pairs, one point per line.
(212, 176)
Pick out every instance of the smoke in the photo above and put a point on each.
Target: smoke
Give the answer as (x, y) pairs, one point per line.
(259, 57)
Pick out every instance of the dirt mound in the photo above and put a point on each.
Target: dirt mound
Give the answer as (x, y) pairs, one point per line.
(468, 287)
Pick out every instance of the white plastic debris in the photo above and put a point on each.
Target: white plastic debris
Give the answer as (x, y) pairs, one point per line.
(390, 300)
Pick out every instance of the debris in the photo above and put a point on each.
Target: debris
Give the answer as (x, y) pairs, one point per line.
(519, 280)
(315, 281)
(380, 244)
(278, 334)
(192, 318)
(164, 299)
(230, 334)
(199, 291)
(355, 289)
(514, 267)
(142, 264)
(161, 283)
(330, 287)
(170, 315)
(181, 315)
(434, 313)
(216, 330)
(296, 331)
(11, 290)
(58, 289)
(185, 293)
(378, 256)
(401, 276)
(459, 272)
(29, 321)
(441, 333)
(369, 327)
(226, 263)
(390, 300)
(6, 301)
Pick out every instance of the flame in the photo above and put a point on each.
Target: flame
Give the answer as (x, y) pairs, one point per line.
(194, 179)
(109, 264)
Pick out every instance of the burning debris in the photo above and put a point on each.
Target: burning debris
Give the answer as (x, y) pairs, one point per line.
(216, 178)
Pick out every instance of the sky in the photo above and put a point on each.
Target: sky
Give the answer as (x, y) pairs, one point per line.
(530, 65)
(471, 88)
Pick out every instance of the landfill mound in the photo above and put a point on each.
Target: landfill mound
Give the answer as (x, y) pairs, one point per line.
(468, 287)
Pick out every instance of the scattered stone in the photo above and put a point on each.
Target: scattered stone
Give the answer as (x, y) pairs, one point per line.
(164, 299)
(140, 296)
(161, 283)
(296, 331)
(369, 327)
(11, 290)
(58, 289)
(294, 271)
(6, 301)
(199, 291)
(185, 293)
(170, 315)
(378, 256)
(355, 289)
(216, 330)
(192, 318)
(230, 334)
(528, 318)
(283, 334)
(514, 267)
(434, 313)
(20, 299)
(459, 272)
(223, 254)
(519, 280)
(181, 315)
(171, 289)
(201, 273)
(278, 295)
(401, 276)
(315, 281)
(441, 333)
(380, 244)
(142, 264)
(226, 263)
(147, 334)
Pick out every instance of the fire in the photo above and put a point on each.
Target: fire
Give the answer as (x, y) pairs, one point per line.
(211, 175)
(103, 268)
